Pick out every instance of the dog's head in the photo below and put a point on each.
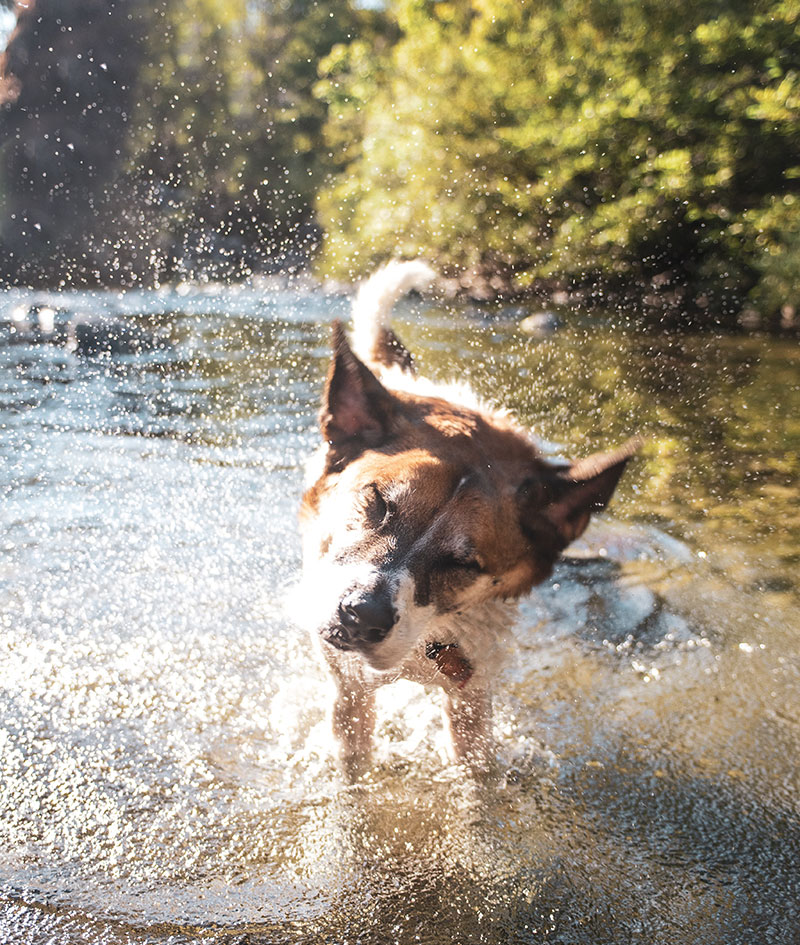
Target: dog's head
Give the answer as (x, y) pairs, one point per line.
(424, 508)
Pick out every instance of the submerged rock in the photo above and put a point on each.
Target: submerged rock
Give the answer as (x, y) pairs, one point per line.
(92, 339)
(42, 324)
(540, 323)
(36, 323)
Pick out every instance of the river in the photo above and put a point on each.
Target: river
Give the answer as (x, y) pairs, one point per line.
(165, 762)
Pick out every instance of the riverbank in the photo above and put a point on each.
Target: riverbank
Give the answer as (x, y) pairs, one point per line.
(659, 306)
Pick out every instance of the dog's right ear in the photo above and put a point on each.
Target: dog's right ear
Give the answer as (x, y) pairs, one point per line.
(557, 502)
(357, 410)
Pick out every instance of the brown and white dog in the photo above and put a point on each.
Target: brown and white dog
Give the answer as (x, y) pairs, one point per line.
(426, 515)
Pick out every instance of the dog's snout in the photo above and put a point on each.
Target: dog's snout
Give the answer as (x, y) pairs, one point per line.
(367, 618)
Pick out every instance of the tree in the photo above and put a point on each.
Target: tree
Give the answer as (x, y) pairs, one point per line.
(152, 140)
(65, 88)
(620, 146)
(228, 132)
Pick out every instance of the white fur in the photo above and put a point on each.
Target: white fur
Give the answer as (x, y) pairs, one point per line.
(480, 628)
(372, 313)
(372, 307)
(314, 600)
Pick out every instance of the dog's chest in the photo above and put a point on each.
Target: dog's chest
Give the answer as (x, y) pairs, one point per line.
(460, 650)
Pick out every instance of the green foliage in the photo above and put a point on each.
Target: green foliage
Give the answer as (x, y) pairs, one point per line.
(644, 147)
(611, 143)
(228, 145)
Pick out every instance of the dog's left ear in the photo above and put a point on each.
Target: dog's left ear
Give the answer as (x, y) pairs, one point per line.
(558, 502)
(357, 410)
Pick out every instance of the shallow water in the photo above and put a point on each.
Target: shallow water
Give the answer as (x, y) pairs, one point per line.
(165, 761)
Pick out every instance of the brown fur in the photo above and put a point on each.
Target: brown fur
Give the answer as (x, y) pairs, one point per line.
(453, 502)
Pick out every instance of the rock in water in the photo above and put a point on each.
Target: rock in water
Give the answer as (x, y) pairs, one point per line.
(539, 324)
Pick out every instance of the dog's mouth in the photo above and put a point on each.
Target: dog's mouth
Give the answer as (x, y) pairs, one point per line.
(375, 650)
(448, 657)
(340, 638)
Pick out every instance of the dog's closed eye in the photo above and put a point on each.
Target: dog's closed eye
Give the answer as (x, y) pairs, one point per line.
(377, 509)
(457, 562)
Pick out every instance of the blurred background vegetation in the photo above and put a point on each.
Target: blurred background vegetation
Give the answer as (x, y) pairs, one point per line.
(625, 152)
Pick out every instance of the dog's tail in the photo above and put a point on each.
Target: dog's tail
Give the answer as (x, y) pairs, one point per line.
(373, 339)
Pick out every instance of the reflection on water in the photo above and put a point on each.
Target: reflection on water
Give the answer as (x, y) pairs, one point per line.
(165, 759)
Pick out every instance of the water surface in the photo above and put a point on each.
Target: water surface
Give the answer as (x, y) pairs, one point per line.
(165, 760)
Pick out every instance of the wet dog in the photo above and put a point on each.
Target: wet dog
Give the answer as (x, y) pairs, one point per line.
(426, 516)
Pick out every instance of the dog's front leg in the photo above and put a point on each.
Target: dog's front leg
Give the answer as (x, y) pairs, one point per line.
(353, 724)
(353, 716)
(468, 719)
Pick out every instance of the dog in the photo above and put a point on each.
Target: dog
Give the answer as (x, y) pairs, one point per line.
(426, 516)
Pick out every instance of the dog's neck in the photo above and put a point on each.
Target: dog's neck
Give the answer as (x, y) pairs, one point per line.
(450, 662)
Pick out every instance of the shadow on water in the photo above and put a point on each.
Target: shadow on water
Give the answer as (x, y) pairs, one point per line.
(165, 757)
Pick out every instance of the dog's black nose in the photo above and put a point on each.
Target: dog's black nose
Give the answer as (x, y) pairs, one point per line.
(367, 618)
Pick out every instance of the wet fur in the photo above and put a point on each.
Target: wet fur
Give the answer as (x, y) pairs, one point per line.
(423, 520)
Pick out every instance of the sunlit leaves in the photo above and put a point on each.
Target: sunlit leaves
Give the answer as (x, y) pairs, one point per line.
(573, 143)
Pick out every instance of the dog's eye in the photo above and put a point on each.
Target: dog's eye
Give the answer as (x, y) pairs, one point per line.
(377, 508)
(459, 563)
